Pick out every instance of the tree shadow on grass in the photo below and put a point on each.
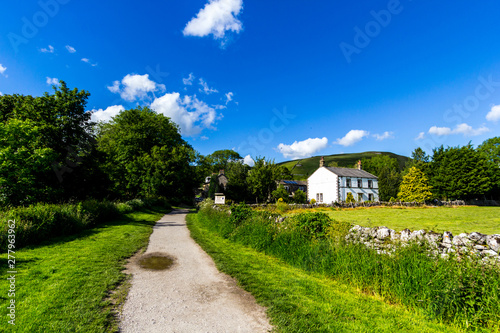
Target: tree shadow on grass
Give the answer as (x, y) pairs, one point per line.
(122, 220)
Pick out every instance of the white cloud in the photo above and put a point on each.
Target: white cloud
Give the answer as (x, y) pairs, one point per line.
(49, 49)
(302, 149)
(217, 17)
(464, 129)
(385, 135)
(1, 94)
(135, 87)
(52, 81)
(204, 138)
(106, 115)
(189, 80)
(248, 160)
(229, 97)
(2, 70)
(70, 49)
(87, 60)
(206, 89)
(440, 130)
(494, 114)
(191, 114)
(467, 130)
(352, 137)
(420, 136)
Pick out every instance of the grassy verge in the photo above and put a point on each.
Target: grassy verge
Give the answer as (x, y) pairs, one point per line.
(457, 219)
(64, 285)
(300, 301)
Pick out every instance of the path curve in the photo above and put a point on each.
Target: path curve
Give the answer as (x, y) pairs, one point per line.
(192, 296)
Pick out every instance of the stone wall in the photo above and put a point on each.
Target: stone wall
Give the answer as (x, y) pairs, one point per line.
(386, 240)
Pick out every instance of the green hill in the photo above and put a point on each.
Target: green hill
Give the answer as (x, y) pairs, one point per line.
(301, 169)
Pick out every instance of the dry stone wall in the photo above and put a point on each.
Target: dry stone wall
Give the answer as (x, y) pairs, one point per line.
(386, 240)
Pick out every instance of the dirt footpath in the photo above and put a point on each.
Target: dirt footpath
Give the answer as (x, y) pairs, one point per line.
(192, 295)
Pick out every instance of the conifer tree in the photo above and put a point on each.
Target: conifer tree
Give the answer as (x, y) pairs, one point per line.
(414, 187)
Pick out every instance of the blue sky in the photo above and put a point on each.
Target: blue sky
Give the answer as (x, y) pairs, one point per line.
(280, 79)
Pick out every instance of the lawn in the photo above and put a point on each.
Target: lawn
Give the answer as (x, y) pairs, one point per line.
(64, 285)
(300, 301)
(455, 219)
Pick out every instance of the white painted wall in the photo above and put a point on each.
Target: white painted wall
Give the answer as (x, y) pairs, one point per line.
(354, 189)
(322, 181)
(326, 182)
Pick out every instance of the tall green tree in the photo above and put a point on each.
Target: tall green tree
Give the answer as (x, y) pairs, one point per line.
(459, 173)
(64, 127)
(490, 149)
(23, 162)
(146, 155)
(262, 179)
(237, 186)
(388, 173)
(415, 187)
(419, 159)
(221, 158)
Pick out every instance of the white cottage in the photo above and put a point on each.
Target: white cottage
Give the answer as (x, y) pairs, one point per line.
(329, 184)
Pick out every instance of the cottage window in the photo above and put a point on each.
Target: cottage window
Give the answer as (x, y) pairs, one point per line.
(321, 197)
(317, 197)
(360, 197)
(370, 183)
(348, 182)
(360, 183)
(370, 197)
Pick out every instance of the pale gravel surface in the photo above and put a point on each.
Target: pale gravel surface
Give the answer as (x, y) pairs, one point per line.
(192, 296)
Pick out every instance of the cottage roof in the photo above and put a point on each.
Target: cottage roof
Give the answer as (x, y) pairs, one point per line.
(293, 182)
(348, 172)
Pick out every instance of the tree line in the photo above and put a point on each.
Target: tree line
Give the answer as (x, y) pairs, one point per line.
(451, 173)
(51, 151)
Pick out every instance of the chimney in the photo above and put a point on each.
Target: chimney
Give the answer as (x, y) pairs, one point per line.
(321, 162)
(359, 165)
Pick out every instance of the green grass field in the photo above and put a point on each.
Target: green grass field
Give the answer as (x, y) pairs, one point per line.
(457, 219)
(63, 285)
(300, 301)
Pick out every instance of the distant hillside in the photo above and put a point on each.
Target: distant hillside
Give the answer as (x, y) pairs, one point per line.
(301, 169)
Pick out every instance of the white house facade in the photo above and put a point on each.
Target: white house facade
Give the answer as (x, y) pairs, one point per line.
(329, 184)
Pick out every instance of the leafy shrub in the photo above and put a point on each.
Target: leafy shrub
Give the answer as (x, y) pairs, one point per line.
(135, 203)
(314, 225)
(300, 197)
(206, 204)
(280, 193)
(313, 201)
(350, 198)
(99, 211)
(124, 208)
(240, 213)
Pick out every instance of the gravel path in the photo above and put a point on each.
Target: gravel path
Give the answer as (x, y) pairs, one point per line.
(191, 296)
